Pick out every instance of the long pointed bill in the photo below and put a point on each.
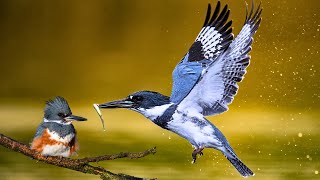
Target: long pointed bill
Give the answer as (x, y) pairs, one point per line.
(75, 118)
(117, 104)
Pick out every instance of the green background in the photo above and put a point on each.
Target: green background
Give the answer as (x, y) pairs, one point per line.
(97, 51)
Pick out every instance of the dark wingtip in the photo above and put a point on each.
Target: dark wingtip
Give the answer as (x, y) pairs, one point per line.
(254, 16)
(208, 15)
(223, 17)
(247, 9)
(251, 11)
(218, 3)
(215, 13)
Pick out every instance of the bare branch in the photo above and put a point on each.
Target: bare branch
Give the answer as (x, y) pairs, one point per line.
(117, 156)
(80, 165)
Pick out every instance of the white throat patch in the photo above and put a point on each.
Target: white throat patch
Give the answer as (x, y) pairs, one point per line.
(154, 112)
(56, 121)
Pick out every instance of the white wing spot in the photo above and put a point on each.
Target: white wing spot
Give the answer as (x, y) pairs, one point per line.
(210, 40)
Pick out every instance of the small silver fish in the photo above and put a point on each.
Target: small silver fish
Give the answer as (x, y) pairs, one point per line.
(96, 107)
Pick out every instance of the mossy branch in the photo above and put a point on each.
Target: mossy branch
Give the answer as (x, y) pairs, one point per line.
(80, 165)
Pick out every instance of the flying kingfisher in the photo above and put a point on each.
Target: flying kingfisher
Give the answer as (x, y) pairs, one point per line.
(56, 135)
(204, 84)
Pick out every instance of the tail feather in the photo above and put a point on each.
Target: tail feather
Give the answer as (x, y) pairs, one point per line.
(242, 168)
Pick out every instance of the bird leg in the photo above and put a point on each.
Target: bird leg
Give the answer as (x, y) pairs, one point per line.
(195, 152)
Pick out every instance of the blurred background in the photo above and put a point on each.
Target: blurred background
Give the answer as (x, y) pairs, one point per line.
(97, 51)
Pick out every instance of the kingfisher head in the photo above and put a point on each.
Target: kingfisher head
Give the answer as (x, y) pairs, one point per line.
(148, 103)
(58, 110)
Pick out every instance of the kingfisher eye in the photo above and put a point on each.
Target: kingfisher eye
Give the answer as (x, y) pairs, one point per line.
(137, 98)
(61, 115)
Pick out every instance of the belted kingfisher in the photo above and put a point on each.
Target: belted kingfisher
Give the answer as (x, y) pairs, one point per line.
(204, 84)
(56, 135)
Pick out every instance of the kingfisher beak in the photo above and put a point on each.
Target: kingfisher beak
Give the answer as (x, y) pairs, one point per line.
(75, 118)
(117, 104)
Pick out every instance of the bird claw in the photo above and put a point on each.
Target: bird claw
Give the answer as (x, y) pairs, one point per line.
(194, 154)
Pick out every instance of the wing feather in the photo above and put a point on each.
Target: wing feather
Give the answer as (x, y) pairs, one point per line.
(215, 32)
(218, 84)
(213, 39)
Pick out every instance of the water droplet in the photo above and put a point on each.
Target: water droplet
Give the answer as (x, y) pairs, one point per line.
(316, 172)
(300, 134)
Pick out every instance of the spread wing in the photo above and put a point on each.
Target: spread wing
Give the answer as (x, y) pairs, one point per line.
(212, 41)
(218, 85)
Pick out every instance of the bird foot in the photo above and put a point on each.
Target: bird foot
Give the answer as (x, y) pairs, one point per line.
(195, 153)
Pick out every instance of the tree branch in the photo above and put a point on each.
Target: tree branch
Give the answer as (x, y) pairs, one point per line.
(117, 156)
(80, 165)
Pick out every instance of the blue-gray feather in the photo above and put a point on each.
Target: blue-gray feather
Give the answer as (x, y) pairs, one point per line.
(185, 76)
(61, 129)
(40, 130)
(56, 106)
(151, 99)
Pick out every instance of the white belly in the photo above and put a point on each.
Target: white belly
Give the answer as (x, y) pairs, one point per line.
(60, 149)
(56, 150)
(199, 133)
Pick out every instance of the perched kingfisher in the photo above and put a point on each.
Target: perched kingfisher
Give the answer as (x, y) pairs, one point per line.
(56, 135)
(204, 84)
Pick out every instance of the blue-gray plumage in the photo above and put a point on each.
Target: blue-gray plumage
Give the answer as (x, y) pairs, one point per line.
(55, 108)
(62, 129)
(56, 136)
(185, 75)
(204, 83)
